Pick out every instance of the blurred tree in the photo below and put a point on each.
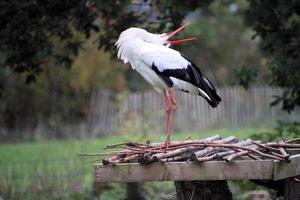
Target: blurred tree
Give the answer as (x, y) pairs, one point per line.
(30, 29)
(154, 15)
(37, 37)
(277, 23)
(59, 99)
(223, 42)
(245, 76)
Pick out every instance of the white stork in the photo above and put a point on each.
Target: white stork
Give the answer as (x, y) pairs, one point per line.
(164, 68)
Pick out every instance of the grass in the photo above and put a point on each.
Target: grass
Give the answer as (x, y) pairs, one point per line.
(49, 161)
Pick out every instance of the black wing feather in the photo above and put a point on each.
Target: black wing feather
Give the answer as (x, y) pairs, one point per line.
(193, 75)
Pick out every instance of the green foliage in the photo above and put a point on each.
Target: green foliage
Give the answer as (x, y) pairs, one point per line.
(244, 76)
(58, 101)
(277, 23)
(31, 29)
(223, 42)
(155, 16)
(284, 130)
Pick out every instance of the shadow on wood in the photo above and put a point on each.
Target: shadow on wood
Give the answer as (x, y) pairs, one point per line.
(202, 190)
(134, 191)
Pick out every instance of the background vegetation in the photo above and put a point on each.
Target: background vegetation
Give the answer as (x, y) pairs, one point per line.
(72, 38)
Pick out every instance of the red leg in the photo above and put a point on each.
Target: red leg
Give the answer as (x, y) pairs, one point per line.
(172, 114)
(173, 100)
(168, 117)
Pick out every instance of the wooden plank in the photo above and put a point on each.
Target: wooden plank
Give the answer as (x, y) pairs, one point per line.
(284, 170)
(181, 171)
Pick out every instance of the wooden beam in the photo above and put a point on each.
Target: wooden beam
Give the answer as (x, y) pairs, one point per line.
(181, 171)
(284, 170)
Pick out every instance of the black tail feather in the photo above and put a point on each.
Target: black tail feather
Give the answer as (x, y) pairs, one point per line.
(206, 86)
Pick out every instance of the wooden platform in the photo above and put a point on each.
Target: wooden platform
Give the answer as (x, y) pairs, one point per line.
(210, 170)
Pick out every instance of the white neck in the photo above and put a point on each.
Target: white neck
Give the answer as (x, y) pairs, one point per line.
(128, 49)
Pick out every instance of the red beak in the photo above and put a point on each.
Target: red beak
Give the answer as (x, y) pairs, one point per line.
(174, 42)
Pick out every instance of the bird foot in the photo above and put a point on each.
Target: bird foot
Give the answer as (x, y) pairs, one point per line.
(165, 146)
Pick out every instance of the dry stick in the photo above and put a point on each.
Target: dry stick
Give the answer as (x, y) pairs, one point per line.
(183, 149)
(232, 156)
(101, 154)
(195, 145)
(115, 145)
(280, 155)
(225, 153)
(209, 139)
(145, 158)
(122, 144)
(249, 154)
(142, 149)
(293, 140)
(133, 157)
(241, 153)
(283, 152)
(245, 142)
(225, 140)
(238, 154)
(207, 150)
(203, 152)
(280, 144)
(206, 158)
(292, 149)
(265, 146)
(187, 143)
(175, 158)
(245, 148)
(254, 156)
(132, 149)
(173, 153)
(203, 144)
(197, 155)
(265, 155)
(212, 145)
(110, 160)
(158, 144)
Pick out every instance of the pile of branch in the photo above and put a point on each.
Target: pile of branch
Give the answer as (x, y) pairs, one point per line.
(212, 148)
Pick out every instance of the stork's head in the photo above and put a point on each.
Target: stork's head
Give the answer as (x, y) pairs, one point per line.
(134, 35)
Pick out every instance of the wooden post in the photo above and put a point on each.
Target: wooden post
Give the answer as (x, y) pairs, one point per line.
(202, 190)
(291, 189)
(134, 191)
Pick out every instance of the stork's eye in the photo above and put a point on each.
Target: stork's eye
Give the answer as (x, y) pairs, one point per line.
(167, 44)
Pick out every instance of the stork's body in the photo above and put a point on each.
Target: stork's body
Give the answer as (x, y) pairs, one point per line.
(164, 68)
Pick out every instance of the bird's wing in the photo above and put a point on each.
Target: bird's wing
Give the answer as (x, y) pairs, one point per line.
(164, 58)
(177, 71)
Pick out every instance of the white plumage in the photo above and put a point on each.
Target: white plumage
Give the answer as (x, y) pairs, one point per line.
(136, 46)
